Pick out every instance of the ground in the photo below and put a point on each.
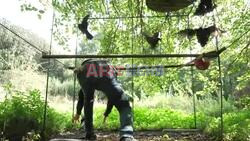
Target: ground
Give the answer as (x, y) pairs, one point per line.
(139, 135)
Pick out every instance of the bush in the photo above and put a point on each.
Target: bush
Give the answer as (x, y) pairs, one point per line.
(212, 107)
(236, 126)
(243, 103)
(23, 112)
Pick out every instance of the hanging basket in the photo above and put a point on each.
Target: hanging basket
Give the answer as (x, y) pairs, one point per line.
(167, 5)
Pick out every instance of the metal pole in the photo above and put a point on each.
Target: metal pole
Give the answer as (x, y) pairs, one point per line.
(132, 61)
(126, 56)
(47, 82)
(134, 17)
(221, 92)
(221, 85)
(147, 67)
(192, 84)
(74, 95)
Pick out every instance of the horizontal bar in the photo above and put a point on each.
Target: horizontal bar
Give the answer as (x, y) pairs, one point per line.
(137, 17)
(181, 130)
(153, 67)
(147, 67)
(127, 56)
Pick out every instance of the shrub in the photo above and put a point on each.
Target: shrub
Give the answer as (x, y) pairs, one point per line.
(22, 112)
(236, 126)
(212, 107)
(243, 103)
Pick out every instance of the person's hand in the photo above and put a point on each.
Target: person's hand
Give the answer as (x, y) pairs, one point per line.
(76, 118)
(104, 120)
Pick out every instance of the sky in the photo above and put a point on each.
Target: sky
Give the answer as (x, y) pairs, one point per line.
(11, 11)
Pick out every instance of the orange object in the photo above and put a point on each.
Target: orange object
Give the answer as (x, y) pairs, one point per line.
(201, 64)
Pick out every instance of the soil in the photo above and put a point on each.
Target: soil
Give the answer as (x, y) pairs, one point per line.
(139, 136)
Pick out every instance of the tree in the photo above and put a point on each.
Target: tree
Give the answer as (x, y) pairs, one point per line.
(123, 36)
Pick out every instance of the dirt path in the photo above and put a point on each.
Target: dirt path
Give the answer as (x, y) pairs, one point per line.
(140, 136)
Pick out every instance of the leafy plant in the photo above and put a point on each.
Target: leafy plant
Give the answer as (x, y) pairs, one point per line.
(236, 126)
(22, 112)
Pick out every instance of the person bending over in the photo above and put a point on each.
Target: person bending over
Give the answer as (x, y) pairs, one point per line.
(99, 75)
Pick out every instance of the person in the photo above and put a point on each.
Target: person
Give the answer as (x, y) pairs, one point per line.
(79, 108)
(99, 75)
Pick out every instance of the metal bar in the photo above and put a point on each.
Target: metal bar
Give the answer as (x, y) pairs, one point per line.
(192, 81)
(47, 82)
(221, 96)
(181, 130)
(132, 61)
(194, 98)
(74, 95)
(136, 17)
(221, 86)
(126, 56)
(147, 67)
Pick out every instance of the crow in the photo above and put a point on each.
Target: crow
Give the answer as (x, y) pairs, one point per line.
(202, 34)
(84, 27)
(152, 40)
(204, 7)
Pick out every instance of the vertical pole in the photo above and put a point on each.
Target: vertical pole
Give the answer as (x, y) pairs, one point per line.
(221, 85)
(74, 95)
(192, 83)
(221, 92)
(132, 60)
(47, 81)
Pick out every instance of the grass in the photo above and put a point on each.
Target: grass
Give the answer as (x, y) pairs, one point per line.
(154, 113)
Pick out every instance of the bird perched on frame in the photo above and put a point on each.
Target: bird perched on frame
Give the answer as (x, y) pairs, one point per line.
(187, 32)
(152, 40)
(202, 34)
(84, 27)
(202, 62)
(204, 7)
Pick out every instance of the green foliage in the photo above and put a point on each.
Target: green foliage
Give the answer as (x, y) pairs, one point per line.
(65, 88)
(244, 102)
(212, 107)
(22, 112)
(236, 126)
(151, 119)
(123, 36)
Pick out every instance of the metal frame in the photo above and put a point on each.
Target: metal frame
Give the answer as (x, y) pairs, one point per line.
(132, 56)
(125, 56)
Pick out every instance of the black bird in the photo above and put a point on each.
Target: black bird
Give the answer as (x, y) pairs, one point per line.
(84, 27)
(202, 34)
(187, 32)
(152, 40)
(204, 7)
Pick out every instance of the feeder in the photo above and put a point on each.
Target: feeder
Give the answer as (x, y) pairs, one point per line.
(167, 5)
